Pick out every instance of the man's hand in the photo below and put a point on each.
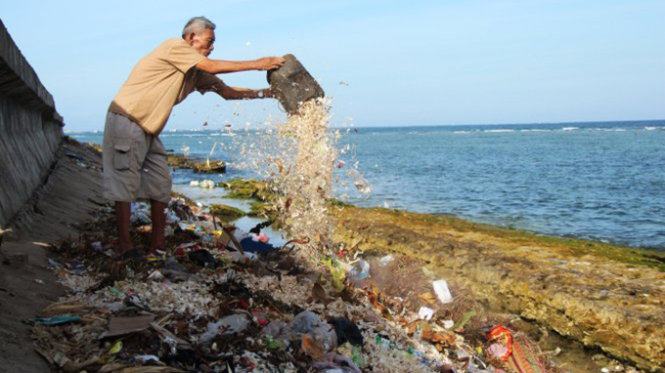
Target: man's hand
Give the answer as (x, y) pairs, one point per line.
(270, 63)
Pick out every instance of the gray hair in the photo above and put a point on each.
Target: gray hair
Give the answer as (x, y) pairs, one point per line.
(197, 24)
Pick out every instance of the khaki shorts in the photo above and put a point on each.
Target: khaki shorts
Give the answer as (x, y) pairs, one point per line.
(134, 162)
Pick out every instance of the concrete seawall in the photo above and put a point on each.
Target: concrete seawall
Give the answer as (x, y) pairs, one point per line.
(30, 129)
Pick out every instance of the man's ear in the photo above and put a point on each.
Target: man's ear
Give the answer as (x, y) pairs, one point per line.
(189, 37)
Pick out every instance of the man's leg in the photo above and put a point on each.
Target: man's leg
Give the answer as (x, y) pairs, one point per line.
(156, 185)
(158, 224)
(122, 215)
(121, 178)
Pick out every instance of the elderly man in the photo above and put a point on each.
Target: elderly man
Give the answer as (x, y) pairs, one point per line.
(134, 158)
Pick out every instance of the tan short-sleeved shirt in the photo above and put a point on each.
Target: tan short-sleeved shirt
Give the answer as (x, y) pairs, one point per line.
(159, 81)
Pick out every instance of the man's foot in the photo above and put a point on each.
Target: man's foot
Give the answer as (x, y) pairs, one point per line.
(129, 254)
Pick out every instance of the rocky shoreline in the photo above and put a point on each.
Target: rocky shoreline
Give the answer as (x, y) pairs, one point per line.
(571, 305)
(605, 297)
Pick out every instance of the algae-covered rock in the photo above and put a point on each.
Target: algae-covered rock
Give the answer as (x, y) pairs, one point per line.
(604, 296)
(226, 213)
(209, 167)
(206, 167)
(263, 210)
(94, 147)
(248, 189)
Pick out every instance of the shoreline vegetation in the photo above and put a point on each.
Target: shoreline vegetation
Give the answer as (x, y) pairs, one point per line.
(604, 296)
(259, 192)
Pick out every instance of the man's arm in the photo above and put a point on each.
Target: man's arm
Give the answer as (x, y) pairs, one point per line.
(237, 93)
(221, 66)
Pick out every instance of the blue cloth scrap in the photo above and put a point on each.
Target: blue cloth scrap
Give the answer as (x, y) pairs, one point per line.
(249, 245)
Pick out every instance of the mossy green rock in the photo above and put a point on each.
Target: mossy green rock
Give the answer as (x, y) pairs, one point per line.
(248, 189)
(204, 167)
(226, 213)
(263, 210)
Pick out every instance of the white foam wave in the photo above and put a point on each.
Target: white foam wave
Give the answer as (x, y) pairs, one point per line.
(501, 130)
(609, 129)
(570, 128)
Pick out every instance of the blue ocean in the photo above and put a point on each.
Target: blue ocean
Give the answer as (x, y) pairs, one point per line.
(603, 180)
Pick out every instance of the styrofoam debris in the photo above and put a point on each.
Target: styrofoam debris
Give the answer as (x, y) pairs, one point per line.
(442, 291)
(385, 260)
(425, 313)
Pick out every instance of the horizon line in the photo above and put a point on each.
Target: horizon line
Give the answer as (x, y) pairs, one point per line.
(65, 130)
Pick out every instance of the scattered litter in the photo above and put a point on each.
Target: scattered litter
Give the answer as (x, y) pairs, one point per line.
(425, 313)
(385, 260)
(321, 333)
(251, 245)
(140, 213)
(465, 319)
(203, 258)
(126, 325)
(346, 331)
(231, 324)
(117, 347)
(57, 320)
(359, 271)
(97, 246)
(442, 291)
(143, 359)
(156, 275)
(210, 303)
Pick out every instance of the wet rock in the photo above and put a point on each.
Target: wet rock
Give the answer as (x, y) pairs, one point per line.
(226, 213)
(204, 167)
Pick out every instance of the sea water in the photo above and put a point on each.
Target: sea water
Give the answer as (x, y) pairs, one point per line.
(602, 180)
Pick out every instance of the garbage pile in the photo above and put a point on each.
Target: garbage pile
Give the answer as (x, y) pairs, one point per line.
(220, 300)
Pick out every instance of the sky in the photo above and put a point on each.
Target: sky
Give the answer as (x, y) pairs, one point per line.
(383, 63)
